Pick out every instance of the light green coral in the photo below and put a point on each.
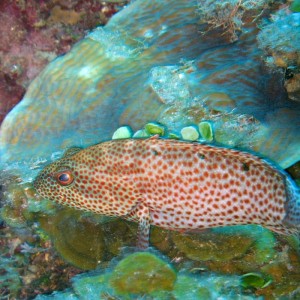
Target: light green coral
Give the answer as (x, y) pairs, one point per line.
(142, 133)
(123, 132)
(173, 136)
(189, 133)
(142, 273)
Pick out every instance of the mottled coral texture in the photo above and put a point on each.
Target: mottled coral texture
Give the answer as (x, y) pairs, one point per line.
(280, 41)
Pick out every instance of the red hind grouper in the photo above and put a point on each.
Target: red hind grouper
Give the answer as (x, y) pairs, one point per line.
(173, 184)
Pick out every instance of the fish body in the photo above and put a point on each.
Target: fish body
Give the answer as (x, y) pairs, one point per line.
(173, 184)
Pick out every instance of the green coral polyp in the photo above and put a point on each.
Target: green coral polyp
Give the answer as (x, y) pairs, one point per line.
(155, 128)
(206, 131)
(188, 133)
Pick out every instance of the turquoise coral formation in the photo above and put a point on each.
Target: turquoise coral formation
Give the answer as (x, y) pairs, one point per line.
(280, 41)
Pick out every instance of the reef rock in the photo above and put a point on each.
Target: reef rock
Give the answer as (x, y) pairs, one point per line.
(154, 60)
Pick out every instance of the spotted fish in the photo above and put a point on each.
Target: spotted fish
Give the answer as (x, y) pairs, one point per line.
(173, 184)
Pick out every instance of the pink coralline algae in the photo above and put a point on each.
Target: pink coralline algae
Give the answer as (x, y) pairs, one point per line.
(34, 32)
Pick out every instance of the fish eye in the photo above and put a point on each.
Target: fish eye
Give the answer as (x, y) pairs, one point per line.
(64, 178)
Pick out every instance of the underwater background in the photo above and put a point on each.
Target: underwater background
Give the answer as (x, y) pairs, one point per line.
(76, 73)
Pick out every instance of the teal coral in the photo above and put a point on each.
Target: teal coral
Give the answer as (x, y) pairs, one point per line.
(265, 242)
(280, 41)
(282, 35)
(208, 286)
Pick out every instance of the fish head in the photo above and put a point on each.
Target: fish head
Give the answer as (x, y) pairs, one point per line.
(85, 180)
(56, 182)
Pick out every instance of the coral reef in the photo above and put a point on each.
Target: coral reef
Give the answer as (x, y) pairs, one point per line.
(156, 62)
(88, 241)
(134, 275)
(146, 275)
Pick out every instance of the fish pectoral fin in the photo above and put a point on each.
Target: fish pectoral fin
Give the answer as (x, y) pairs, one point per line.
(144, 219)
(154, 137)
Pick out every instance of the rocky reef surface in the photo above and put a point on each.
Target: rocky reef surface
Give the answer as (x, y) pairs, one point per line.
(223, 71)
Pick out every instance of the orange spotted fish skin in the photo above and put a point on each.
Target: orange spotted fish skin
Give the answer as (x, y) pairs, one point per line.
(173, 184)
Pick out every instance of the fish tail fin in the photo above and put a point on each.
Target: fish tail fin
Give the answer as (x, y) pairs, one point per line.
(292, 206)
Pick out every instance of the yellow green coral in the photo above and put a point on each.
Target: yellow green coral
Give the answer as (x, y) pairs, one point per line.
(142, 273)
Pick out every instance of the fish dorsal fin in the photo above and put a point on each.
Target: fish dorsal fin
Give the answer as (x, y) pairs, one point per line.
(71, 151)
(154, 137)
